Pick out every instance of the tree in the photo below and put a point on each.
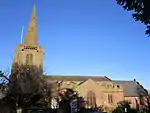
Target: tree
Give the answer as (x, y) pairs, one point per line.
(123, 107)
(66, 97)
(25, 87)
(141, 11)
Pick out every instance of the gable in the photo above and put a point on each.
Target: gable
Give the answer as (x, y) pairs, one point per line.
(89, 83)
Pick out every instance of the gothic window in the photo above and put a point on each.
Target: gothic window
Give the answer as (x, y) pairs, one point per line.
(29, 59)
(110, 98)
(91, 99)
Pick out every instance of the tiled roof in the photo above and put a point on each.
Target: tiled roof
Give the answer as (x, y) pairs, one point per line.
(132, 88)
(78, 78)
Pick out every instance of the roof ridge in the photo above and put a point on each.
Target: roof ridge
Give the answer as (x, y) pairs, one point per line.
(123, 80)
(78, 78)
(75, 76)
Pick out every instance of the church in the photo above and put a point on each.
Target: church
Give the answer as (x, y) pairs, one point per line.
(107, 92)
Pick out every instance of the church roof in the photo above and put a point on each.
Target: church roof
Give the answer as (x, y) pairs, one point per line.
(132, 88)
(78, 78)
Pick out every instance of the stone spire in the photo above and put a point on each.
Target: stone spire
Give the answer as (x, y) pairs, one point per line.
(32, 36)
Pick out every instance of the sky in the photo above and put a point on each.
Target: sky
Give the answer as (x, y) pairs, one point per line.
(80, 37)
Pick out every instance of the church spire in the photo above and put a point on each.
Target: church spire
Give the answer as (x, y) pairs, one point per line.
(32, 36)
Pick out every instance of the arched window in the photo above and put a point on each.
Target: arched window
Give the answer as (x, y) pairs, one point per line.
(29, 59)
(91, 99)
(110, 98)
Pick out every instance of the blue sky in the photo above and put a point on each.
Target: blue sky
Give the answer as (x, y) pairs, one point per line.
(80, 37)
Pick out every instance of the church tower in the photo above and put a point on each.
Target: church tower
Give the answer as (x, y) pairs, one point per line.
(30, 53)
